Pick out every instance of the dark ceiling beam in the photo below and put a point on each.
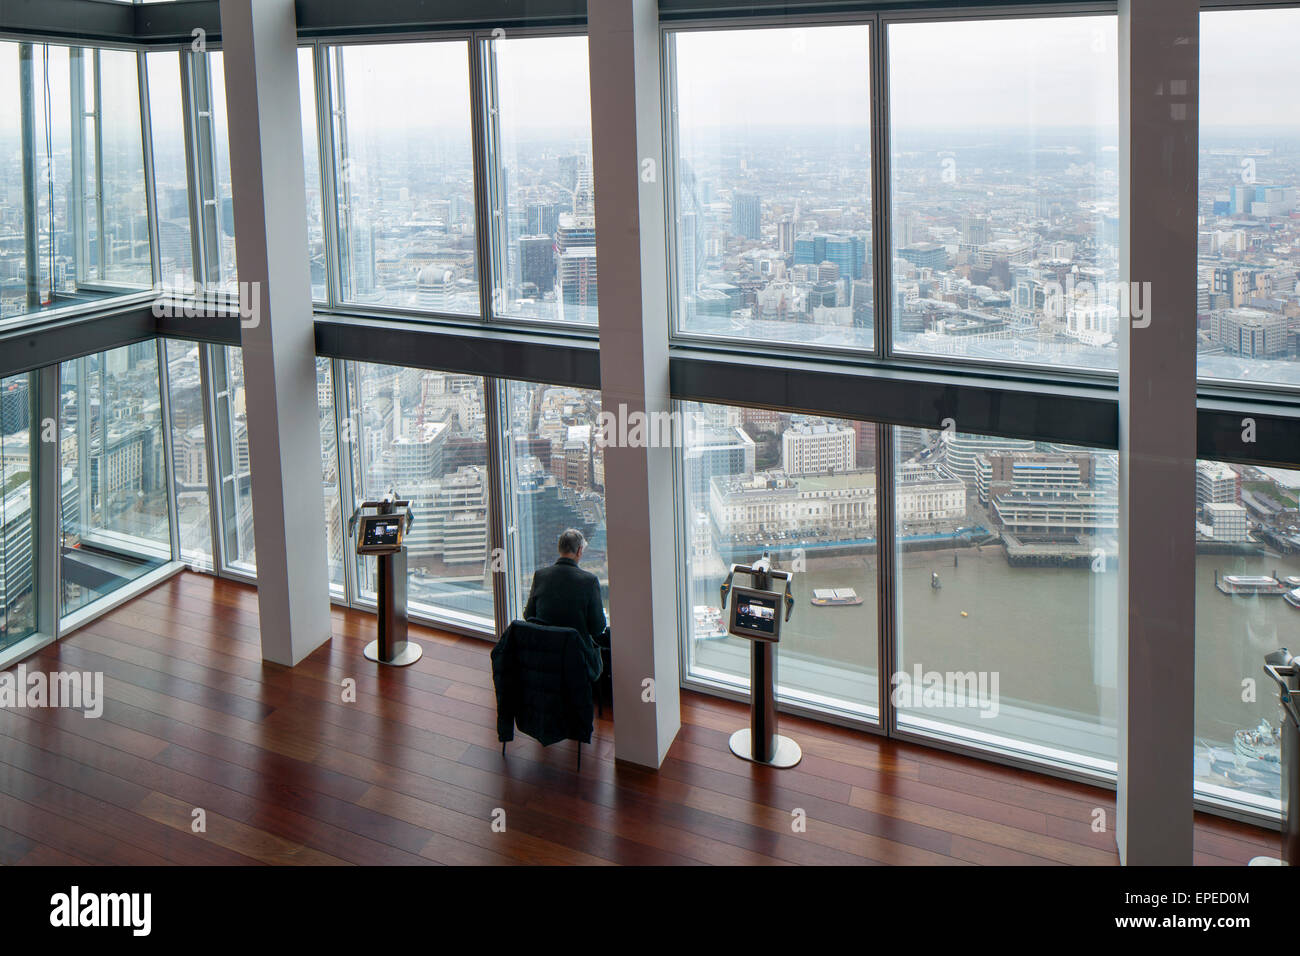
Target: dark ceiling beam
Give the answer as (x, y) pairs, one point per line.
(469, 349)
(94, 20)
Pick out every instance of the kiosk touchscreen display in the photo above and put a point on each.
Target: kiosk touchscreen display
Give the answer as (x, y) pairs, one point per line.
(754, 614)
(381, 533)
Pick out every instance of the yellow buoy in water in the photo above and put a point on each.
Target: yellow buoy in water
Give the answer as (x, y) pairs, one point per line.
(964, 614)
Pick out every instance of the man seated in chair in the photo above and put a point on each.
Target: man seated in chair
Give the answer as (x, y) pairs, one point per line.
(564, 595)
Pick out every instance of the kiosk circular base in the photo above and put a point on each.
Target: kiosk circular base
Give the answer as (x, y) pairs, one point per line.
(1266, 861)
(787, 752)
(407, 653)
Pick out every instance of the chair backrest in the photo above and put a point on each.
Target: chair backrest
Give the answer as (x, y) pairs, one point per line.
(543, 682)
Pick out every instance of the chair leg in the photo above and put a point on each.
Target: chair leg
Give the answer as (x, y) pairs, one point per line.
(579, 754)
(503, 748)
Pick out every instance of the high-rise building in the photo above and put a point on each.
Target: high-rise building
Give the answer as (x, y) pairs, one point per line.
(571, 169)
(542, 218)
(962, 451)
(14, 414)
(435, 288)
(785, 235)
(688, 271)
(577, 457)
(975, 230)
(714, 451)
(1226, 522)
(1216, 483)
(1251, 333)
(537, 262)
(746, 216)
(575, 255)
(361, 265)
(818, 449)
(848, 253)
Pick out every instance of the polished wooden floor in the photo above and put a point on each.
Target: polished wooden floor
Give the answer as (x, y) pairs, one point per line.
(285, 771)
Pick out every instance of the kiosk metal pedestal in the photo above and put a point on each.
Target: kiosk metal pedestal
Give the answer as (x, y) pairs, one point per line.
(756, 615)
(381, 535)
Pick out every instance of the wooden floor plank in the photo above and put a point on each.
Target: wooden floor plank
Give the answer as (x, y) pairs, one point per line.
(288, 771)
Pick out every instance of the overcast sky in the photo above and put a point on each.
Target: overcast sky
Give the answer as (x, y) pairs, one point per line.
(1047, 72)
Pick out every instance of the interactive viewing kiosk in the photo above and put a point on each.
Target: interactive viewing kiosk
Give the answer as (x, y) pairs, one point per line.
(756, 616)
(1284, 668)
(381, 535)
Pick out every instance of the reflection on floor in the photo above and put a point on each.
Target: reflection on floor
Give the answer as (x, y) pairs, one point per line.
(411, 772)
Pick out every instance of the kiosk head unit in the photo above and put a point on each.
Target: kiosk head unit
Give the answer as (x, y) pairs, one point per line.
(755, 614)
(380, 534)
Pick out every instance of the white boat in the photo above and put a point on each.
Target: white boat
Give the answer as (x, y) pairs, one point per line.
(1250, 584)
(835, 597)
(709, 625)
(1250, 580)
(1292, 597)
(1263, 743)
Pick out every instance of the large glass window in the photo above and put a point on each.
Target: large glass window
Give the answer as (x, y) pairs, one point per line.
(1247, 604)
(121, 254)
(171, 174)
(1006, 560)
(113, 487)
(230, 410)
(545, 204)
(212, 171)
(234, 467)
(802, 489)
(1248, 239)
(1005, 195)
(772, 184)
(555, 470)
(423, 435)
(73, 216)
(17, 510)
(405, 176)
(189, 453)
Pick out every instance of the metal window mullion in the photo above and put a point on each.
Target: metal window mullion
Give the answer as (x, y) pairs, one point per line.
(323, 99)
(46, 485)
(213, 434)
(337, 119)
(83, 441)
(27, 139)
(668, 106)
(204, 170)
(886, 577)
(164, 394)
(351, 406)
(490, 206)
(194, 197)
(77, 215)
(499, 496)
(100, 223)
(882, 241)
(343, 426)
(511, 517)
(681, 531)
(150, 182)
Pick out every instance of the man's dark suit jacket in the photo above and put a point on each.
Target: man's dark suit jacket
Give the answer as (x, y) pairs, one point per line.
(543, 681)
(564, 595)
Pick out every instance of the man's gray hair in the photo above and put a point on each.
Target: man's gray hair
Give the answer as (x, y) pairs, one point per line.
(572, 541)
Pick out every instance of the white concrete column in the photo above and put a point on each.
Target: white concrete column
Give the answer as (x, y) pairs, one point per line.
(1158, 63)
(259, 42)
(628, 170)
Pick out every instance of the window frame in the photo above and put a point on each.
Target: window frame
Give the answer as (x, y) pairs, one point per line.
(495, 203)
